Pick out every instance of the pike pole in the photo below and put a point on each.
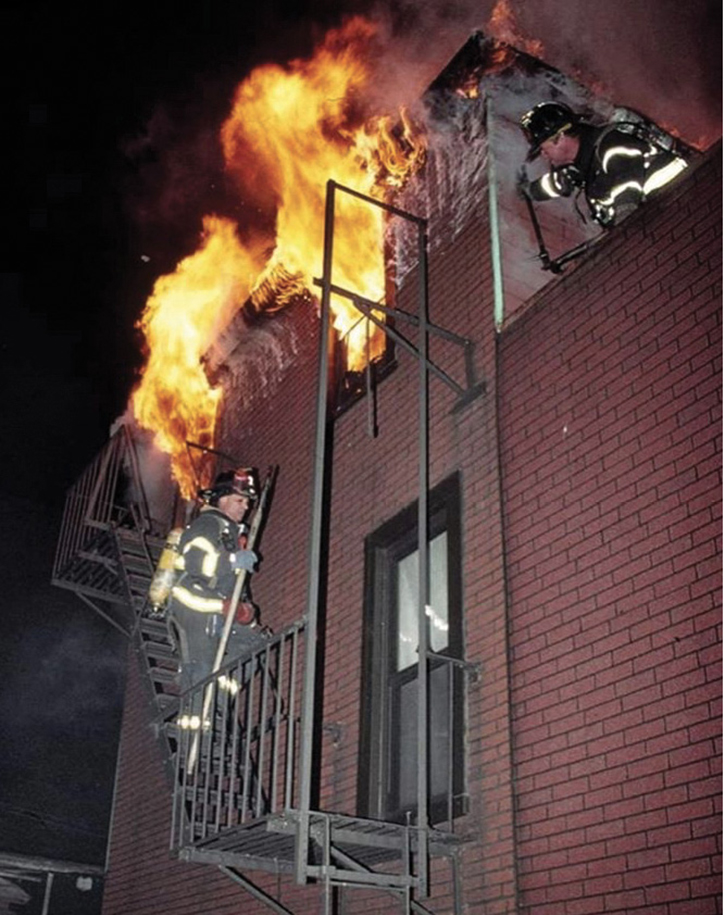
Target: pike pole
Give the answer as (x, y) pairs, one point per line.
(231, 612)
(554, 265)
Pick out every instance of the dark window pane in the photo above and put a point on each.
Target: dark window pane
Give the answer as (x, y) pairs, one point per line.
(439, 739)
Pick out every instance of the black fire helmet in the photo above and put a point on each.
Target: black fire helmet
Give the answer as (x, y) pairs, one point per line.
(240, 481)
(545, 121)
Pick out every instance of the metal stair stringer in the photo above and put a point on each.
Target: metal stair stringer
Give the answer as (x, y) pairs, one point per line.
(138, 553)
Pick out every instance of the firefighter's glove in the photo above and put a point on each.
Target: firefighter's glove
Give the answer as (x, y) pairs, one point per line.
(246, 613)
(244, 560)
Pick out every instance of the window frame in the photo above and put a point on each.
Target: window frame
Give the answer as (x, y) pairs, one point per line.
(386, 546)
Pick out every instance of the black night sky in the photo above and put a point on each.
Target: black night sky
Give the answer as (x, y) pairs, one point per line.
(116, 164)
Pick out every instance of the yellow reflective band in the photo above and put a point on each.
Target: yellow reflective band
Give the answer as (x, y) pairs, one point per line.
(618, 190)
(211, 556)
(192, 723)
(548, 186)
(229, 684)
(664, 175)
(196, 602)
(620, 151)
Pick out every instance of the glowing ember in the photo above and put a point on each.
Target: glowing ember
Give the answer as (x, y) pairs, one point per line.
(291, 129)
(502, 26)
(470, 87)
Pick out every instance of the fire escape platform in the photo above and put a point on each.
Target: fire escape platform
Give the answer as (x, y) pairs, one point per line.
(358, 844)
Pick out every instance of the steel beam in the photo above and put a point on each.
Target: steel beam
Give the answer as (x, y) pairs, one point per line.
(255, 891)
(423, 578)
(315, 550)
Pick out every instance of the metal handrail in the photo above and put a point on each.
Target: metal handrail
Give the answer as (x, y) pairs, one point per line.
(92, 502)
(246, 764)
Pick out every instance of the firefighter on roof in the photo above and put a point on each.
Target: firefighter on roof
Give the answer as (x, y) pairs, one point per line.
(210, 557)
(616, 166)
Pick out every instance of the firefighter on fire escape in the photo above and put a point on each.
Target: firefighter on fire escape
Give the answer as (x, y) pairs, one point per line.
(616, 166)
(211, 552)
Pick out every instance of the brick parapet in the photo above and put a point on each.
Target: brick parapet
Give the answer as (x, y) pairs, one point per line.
(611, 447)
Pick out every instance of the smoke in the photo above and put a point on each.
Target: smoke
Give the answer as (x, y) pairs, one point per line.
(658, 57)
(452, 187)
(148, 472)
(74, 677)
(415, 41)
(661, 57)
(173, 176)
(256, 357)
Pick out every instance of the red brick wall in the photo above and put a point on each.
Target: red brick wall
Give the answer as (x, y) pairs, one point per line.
(142, 878)
(610, 424)
(610, 542)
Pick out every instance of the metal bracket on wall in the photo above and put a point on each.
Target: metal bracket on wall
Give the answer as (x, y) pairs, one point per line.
(255, 891)
(467, 394)
(471, 669)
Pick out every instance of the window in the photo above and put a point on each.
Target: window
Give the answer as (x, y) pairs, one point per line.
(388, 768)
(365, 355)
(350, 385)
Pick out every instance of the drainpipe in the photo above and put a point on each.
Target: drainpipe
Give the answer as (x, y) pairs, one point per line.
(493, 218)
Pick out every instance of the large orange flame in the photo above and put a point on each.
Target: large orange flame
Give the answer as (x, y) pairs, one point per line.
(290, 130)
(181, 319)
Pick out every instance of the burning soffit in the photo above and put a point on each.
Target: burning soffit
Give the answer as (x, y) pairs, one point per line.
(205, 314)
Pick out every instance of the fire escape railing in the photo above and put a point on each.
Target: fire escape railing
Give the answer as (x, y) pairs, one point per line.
(105, 503)
(239, 765)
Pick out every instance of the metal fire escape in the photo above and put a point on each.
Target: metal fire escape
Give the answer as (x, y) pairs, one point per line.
(107, 552)
(243, 795)
(242, 778)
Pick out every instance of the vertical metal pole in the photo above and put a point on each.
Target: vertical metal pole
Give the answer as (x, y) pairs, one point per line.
(423, 583)
(247, 739)
(263, 737)
(102, 466)
(498, 301)
(407, 871)
(277, 748)
(48, 890)
(208, 740)
(225, 702)
(451, 712)
(313, 592)
(233, 761)
(457, 883)
(190, 787)
(289, 762)
(370, 394)
(327, 864)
